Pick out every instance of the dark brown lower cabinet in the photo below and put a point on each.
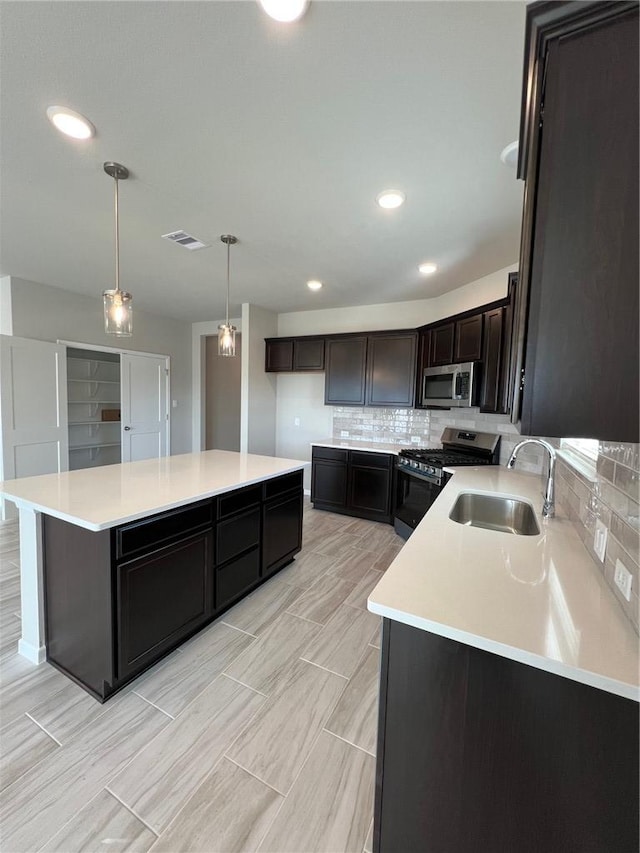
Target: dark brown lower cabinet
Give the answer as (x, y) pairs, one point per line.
(282, 531)
(358, 483)
(479, 753)
(161, 599)
(118, 600)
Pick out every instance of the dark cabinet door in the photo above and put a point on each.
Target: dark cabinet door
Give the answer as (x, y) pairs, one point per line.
(478, 753)
(580, 231)
(442, 344)
(308, 354)
(234, 578)
(468, 345)
(346, 360)
(370, 491)
(161, 598)
(281, 531)
(492, 388)
(278, 356)
(329, 483)
(391, 370)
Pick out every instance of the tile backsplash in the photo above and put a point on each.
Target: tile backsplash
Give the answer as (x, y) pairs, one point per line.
(610, 493)
(423, 428)
(611, 496)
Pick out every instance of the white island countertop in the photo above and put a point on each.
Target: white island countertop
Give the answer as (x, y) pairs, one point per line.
(539, 600)
(103, 497)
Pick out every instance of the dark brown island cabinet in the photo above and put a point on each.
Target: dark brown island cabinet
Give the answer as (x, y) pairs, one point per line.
(353, 482)
(575, 369)
(481, 754)
(118, 600)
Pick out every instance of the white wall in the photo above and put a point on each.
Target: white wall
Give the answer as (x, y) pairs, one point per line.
(258, 391)
(6, 314)
(301, 416)
(51, 313)
(301, 395)
(397, 315)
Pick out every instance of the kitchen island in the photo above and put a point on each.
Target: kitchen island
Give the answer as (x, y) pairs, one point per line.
(120, 564)
(509, 692)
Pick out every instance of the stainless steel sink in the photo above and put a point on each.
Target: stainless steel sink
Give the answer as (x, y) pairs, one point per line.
(492, 512)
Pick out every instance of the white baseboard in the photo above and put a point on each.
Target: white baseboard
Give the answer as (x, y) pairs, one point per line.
(34, 654)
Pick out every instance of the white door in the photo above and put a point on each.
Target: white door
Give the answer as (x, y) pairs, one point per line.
(33, 408)
(145, 406)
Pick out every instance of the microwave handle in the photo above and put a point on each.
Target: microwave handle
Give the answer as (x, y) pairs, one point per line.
(455, 394)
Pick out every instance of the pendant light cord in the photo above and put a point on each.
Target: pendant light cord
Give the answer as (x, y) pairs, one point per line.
(228, 266)
(117, 237)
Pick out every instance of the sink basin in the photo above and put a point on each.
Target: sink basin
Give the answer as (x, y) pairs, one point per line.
(493, 512)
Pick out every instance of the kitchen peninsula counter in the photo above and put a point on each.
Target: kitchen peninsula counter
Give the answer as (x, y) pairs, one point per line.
(539, 600)
(509, 715)
(119, 564)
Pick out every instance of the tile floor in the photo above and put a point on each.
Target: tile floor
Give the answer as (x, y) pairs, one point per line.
(258, 734)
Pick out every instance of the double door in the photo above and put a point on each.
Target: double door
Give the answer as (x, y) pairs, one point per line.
(37, 413)
(353, 482)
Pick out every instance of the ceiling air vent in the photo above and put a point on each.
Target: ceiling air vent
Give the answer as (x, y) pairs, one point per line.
(186, 240)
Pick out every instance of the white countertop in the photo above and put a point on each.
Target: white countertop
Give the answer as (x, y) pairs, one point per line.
(539, 600)
(99, 498)
(365, 446)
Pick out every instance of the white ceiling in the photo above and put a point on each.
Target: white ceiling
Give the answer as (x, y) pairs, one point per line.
(280, 134)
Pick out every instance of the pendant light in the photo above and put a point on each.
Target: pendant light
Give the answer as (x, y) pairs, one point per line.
(227, 332)
(118, 306)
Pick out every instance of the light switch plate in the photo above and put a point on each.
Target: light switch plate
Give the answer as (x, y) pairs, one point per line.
(623, 579)
(600, 540)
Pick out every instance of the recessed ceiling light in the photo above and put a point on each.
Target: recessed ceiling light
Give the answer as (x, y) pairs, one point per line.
(70, 122)
(314, 284)
(390, 199)
(284, 11)
(509, 155)
(428, 268)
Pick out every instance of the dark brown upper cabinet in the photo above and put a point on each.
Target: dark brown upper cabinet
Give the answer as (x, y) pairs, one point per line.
(575, 365)
(346, 361)
(308, 354)
(391, 369)
(278, 355)
(441, 349)
(283, 355)
(468, 339)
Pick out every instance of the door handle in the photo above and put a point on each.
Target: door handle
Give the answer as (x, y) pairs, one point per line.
(127, 428)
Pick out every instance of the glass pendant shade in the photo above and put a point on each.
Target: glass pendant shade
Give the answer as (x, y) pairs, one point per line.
(118, 311)
(226, 340)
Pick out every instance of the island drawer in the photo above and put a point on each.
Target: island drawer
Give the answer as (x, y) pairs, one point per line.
(280, 485)
(234, 502)
(147, 534)
(234, 578)
(237, 534)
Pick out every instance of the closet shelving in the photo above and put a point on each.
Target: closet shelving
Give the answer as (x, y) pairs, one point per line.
(93, 384)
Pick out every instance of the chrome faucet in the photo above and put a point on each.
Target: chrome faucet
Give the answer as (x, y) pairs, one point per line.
(548, 507)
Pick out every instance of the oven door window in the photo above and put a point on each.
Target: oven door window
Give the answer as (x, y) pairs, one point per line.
(414, 497)
(438, 387)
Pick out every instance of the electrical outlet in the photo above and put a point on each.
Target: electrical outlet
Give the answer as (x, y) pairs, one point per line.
(344, 433)
(600, 540)
(415, 439)
(623, 579)
(296, 421)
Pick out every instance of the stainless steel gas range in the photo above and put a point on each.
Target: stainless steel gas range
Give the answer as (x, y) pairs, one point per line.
(420, 474)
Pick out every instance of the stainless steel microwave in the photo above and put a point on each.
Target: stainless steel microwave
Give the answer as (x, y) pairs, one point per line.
(448, 386)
